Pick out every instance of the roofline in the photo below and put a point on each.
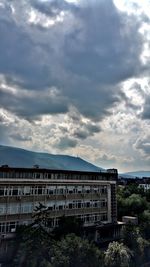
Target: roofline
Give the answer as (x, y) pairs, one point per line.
(35, 169)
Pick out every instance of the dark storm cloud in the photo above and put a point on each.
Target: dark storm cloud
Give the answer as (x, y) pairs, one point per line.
(21, 59)
(32, 105)
(104, 47)
(84, 57)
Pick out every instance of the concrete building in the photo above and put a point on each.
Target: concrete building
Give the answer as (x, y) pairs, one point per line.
(144, 184)
(130, 220)
(90, 196)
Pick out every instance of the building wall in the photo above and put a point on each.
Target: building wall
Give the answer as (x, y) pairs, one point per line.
(89, 196)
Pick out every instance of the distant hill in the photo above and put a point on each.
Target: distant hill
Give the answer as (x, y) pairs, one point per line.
(17, 157)
(138, 174)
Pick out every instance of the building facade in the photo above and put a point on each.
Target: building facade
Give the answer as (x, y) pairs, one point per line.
(90, 196)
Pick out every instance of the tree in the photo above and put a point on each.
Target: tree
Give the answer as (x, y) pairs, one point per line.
(41, 216)
(117, 254)
(135, 204)
(72, 251)
(38, 247)
(130, 235)
(68, 225)
(34, 241)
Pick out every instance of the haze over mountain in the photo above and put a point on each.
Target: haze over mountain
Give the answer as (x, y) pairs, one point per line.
(135, 174)
(17, 157)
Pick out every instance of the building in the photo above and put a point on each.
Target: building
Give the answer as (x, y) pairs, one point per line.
(144, 183)
(130, 220)
(90, 196)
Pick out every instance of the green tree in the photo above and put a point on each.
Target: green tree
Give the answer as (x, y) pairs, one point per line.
(135, 204)
(33, 242)
(117, 255)
(72, 251)
(68, 225)
(132, 237)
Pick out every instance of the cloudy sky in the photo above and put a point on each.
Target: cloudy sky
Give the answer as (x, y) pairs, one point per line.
(75, 79)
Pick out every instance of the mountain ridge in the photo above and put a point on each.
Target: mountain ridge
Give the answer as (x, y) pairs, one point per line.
(19, 157)
(134, 174)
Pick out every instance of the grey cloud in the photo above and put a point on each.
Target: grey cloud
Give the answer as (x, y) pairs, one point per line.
(63, 129)
(143, 144)
(52, 8)
(85, 130)
(84, 57)
(81, 134)
(146, 111)
(22, 58)
(128, 102)
(20, 137)
(66, 142)
(32, 105)
(93, 128)
(103, 48)
(4, 134)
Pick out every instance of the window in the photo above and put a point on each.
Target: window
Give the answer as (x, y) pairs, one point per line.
(79, 205)
(51, 190)
(39, 190)
(104, 190)
(79, 188)
(103, 203)
(26, 207)
(95, 204)
(70, 205)
(2, 208)
(37, 175)
(70, 189)
(13, 208)
(15, 191)
(26, 190)
(1, 191)
(104, 217)
(60, 190)
(88, 204)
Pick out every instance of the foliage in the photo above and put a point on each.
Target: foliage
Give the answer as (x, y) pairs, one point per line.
(72, 251)
(131, 201)
(38, 247)
(68, 225)
(130, 235)
(41, 216)
(117, 254)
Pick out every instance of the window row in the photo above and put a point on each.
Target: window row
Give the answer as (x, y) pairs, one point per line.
(51, 190)
(10, 227)
(76, 204)
(45, 175)
(93, 217)
(17, 208)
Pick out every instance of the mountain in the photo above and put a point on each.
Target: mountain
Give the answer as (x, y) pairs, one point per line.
(135, 174)
(17, 157)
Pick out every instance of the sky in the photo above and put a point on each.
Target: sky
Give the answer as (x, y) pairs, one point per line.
(74, 79)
